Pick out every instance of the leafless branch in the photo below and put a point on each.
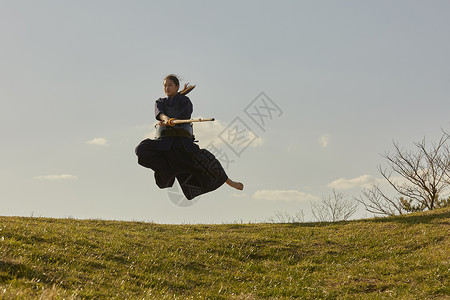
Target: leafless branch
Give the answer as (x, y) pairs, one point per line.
(334, 208)
(376, 202)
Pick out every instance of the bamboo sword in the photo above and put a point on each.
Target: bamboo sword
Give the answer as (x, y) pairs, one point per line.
(174, 121)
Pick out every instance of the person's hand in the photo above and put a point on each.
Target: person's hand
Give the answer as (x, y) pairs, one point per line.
(164, 121)
(170, 122)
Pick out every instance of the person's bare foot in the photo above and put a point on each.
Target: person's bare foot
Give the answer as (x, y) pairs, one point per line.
(234, 184)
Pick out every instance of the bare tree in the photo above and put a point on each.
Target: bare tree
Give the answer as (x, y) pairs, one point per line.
(334, 208)
(285, 217)
(420, 178)
(376, 202)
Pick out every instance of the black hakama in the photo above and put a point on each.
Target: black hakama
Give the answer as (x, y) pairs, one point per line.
(197, 170)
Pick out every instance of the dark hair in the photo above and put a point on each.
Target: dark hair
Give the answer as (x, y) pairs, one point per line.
(187, 88)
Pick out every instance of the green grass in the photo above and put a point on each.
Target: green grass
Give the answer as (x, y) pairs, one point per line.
(405, 257)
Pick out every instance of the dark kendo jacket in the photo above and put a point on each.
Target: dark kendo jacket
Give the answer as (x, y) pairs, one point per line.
(177, 107)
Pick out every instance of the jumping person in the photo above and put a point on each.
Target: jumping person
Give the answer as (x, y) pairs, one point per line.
(173, 153)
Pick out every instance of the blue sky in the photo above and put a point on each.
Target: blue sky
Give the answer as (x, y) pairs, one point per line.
(78, 81)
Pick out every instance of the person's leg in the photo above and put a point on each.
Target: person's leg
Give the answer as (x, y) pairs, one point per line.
(235, 184)
(150, 157)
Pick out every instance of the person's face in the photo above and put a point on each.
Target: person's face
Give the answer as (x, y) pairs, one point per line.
(170, 89)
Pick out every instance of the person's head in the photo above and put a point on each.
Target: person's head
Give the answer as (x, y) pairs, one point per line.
(172, 84)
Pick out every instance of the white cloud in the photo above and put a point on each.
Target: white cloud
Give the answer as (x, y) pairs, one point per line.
(324, 140)
(283, 195)
(357, 182)
(238, 195)
(57, 177)
(258, 140)
(98, 142)
(208, 132)
(398, 180)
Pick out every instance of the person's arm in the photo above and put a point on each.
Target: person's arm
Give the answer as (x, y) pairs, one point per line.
(182, 110)
(159, 112)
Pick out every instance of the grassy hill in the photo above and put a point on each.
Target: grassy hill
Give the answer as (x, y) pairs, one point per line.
(405, 257)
